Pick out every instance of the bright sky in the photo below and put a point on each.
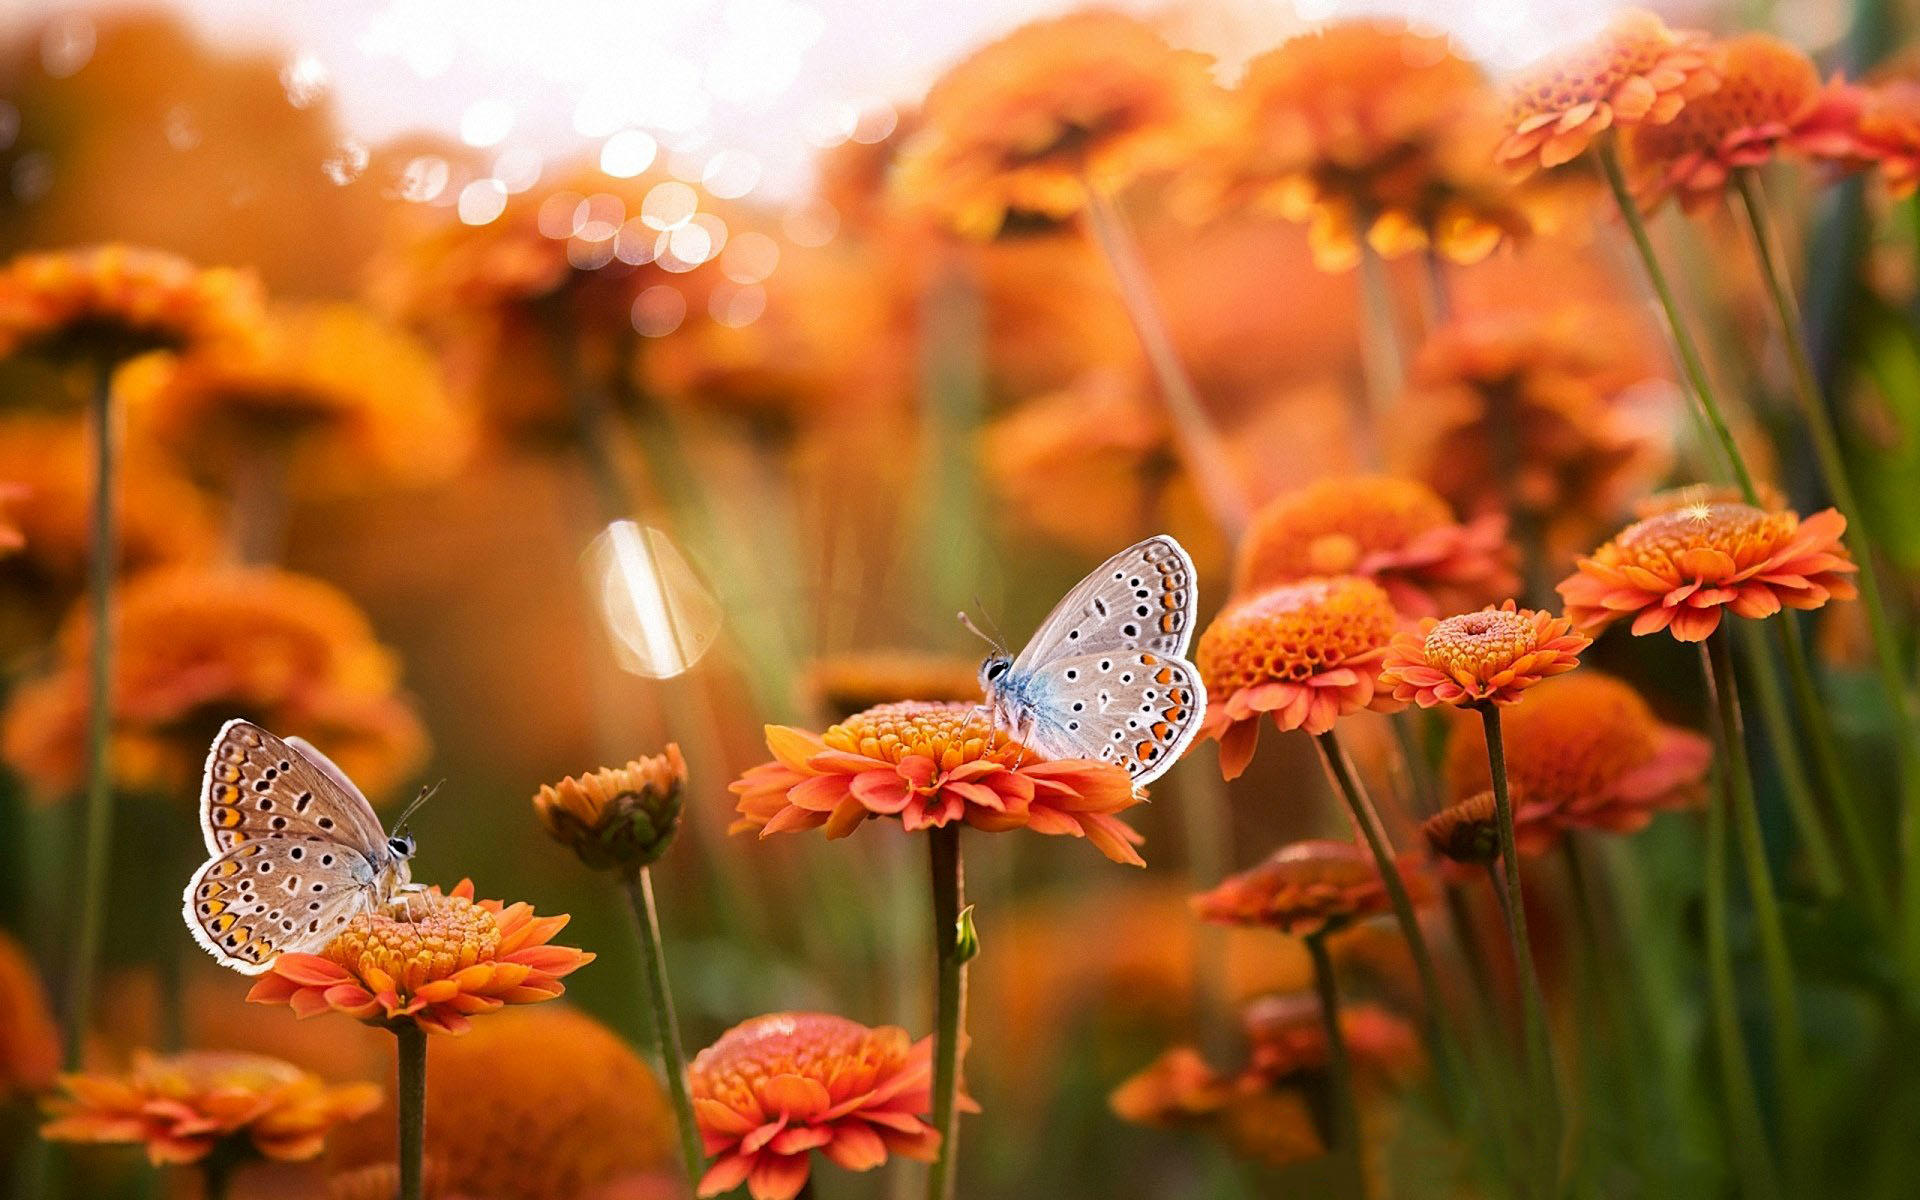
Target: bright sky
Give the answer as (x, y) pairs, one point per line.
(735, 90)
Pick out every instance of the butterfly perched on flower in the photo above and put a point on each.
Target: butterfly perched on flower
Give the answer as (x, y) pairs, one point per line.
(1106, 677)
(295, 848)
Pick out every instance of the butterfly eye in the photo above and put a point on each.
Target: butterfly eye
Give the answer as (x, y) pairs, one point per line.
(402, 847)
(998, 668)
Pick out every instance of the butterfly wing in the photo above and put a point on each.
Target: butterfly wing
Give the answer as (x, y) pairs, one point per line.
(1140, 599)
(258, 785)
(1135, 708)
(274, 894)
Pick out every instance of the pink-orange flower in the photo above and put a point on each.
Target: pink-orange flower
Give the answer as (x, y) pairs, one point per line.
(1768, 90)
(1861, 126)
(774, 1089)
(1677, 570)
(1397, 532)
(432, 958)
(1309, 653)
(1305, 889)
(929, 765)
(1485, 657)
(1636, 71)
(188, 1106)
(29, 1040)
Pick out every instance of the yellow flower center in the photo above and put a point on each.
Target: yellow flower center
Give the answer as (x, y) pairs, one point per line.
(844, 1055)
(447, 934)
(1480, 643)
(1739, 530)
(949, 733)
(1294, 632)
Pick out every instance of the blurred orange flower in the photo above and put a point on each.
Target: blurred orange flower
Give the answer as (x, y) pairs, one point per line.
(549, 1077)
(1635, 71)
(1468, 831)
(328, 393)
(1678, 569)
(1305, 889)
(1858, 126)
(1366, 129)
(1584, 752)
(431, 958)
(29, 1040)
(774, 1089)
(619, 817)
(1397, 532)
(185, 1107)
(1308, 652)
(930, 764)
(111, 303)
(1479, 658)
(1028, 124)
(1768, 89)
(200, 645)
(1286, 1036)
(846, 683)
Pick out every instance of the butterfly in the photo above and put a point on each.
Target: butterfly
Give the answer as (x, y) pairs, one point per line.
(1106, 676)
(296, 851)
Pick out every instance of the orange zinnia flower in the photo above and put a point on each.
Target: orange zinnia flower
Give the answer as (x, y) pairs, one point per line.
(1768, 90)
(1467, 832)
(456, 958)
(29, 1040)
(1858, 126)
(1479, 658)
(1366, 129)
(1305, 889)
(774, 1089)
(1584, 752)
(1678, 569)
(198, 645)
(1308, 652)
(929, 765)
(1637, 71)
(1030, 123)
(112, 303)
(188, 1106)
(847, 683)
(1396, 532)
(1288, 1037)
(622, 817)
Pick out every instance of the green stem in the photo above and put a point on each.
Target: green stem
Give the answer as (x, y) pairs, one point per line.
(1439, 291)
(411, 1049)
(949, 893)
(1822, 860)
(1775, 961)
(96, 848)
(666, 1026)
(1345, 1126)
(1199, 444)
(1533, 1005)
(1740, 1101)
(1627, 1057)
(216, 1171)
(1688, 352)
(1833, 467)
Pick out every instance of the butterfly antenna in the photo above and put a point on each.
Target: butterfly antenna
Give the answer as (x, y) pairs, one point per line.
(975, 631)
(426, 794)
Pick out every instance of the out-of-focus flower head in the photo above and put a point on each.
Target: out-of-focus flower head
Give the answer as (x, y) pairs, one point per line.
(1028, 124)
(433, 958)
(329, 393)
(1466, 831)
(1768, 90)
(188, 1106)
(1679, 569)
(1584, 752)
(847, 683)
(1873, 125)
(1305, 889)
(618, 818)
(1541, 388)
(1480, 658)
(929, 765)
(1636, 71)
(774, 1089)
(163, 519)
(200, 645)
(1309, 653)
(108, 304)
(29, 1040)
(1397, 532)
(1365, 129)
(1287, 1036)
(548, 1077)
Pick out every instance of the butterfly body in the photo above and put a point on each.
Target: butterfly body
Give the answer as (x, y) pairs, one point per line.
(295, 851)
(1106, 677)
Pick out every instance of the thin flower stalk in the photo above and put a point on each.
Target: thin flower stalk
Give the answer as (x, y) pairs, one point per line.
(1345, 1126)
(1823, 861)
(666, 1026)
(410, 1042)
(98, 830)
(1833, 468)
(1614, 1006)
(1533, 1007)
(950, 1017)
(1381, 355)
(1198, 442)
